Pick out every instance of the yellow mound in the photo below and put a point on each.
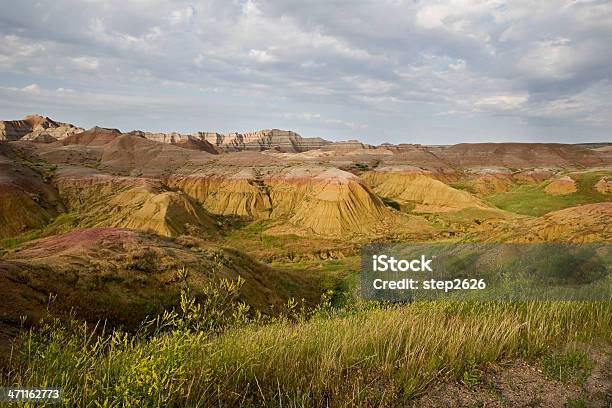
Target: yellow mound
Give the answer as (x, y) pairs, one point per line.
(139, 204)
(239, 194)
(429, 194)
(318, 200)
(561, 186)
(331, 203)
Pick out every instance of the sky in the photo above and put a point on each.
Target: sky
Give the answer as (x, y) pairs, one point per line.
(431, 72)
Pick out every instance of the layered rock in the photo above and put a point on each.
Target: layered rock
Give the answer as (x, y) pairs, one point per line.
(326, 201)
(347, 146)
(194, 142)
(96, 136)
(319, 200)
(410, 185)
(519, 155)
(134, 203)
(236, 194)
(268, 139)
(281, 140)
(36, 128)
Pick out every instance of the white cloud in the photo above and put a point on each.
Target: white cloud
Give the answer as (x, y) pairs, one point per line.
(86, 63)
(32, 88)
(502, 102)
(262, 56)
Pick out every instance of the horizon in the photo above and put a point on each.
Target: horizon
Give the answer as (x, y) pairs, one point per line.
(125, 131)
(428, 73)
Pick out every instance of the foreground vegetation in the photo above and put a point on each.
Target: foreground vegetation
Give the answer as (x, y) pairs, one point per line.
(215, 352)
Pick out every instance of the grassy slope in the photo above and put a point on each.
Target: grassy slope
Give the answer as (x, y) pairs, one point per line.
(354, 357)
(532, 200)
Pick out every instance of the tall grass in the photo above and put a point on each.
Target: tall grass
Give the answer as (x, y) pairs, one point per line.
(356, 356)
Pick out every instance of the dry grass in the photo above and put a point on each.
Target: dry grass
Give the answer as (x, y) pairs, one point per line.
(363, 355)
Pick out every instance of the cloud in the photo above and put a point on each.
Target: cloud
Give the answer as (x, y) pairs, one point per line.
(262, 56)
(32, 88)
(85, 63)
(512, 68)
(502, 102)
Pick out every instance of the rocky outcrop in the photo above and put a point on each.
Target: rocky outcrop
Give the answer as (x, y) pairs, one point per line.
(268, 139)
(236, 194)
(347, 146)
(194, 141)
(36, 128)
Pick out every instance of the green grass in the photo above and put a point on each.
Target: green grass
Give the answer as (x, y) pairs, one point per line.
(573, 364)
(532, 200)
(363, 355)
(578, 402)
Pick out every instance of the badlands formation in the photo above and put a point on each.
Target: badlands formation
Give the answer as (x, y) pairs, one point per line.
(114, 215)
(175, 185)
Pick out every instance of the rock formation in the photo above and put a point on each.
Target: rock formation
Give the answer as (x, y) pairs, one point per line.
(36, 128)
(135, 203)
(410, 185)
(519, 155)
(268, 139)
(319, 200)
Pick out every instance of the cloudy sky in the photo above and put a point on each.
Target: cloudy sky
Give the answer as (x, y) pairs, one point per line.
(379, 71)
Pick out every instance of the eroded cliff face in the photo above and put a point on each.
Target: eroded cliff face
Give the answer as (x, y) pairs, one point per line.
(320, 200)
(36, 128)
(213, 142)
